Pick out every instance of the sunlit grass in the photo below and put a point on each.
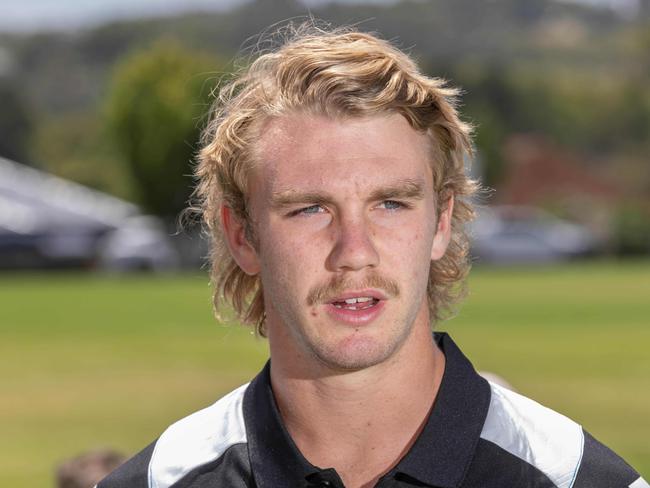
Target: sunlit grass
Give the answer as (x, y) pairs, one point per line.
(89, 361)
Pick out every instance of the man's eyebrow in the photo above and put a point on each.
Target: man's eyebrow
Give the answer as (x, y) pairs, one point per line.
(406, 189)
(287, 198)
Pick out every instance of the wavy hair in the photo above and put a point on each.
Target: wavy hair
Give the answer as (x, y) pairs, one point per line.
(338, 73)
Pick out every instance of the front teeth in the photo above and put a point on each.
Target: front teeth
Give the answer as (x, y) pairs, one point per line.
(351, 301)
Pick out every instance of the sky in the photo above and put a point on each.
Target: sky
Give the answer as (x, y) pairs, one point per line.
(34, 15)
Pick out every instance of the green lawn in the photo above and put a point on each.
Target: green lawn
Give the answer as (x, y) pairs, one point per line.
(89, 361)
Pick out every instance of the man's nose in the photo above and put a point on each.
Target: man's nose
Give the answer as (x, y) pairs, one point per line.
(354, 248)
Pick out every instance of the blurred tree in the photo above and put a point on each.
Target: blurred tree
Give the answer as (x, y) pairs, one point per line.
(632, 229)
(76, 147)
(490, 104)
(157, 102)
(15, 123)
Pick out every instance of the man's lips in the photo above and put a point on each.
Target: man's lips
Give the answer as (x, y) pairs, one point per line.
(359, 313)
(352, 294)
(362, 303)
(357, 300)
(341, 288)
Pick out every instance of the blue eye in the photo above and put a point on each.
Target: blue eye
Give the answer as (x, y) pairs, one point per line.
(312, 209)
(392, 205)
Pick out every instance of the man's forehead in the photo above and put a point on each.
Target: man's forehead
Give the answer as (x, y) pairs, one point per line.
(312, 146)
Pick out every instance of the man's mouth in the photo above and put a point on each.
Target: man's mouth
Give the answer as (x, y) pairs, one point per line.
(356, 303)
(357, 307)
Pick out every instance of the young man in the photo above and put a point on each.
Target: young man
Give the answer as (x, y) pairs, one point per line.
(333, 182)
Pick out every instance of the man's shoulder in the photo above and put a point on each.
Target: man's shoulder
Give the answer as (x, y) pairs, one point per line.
(185, 447)
(548, 445)
(134, 473)
(601, 467)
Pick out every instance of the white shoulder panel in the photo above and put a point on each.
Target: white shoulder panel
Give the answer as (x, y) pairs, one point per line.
(197, 439)
(538, 435)
(640, 483)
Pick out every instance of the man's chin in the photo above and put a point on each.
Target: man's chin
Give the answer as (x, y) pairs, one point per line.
(353, 355)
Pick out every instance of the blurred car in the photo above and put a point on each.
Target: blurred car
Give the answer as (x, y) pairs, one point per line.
(49, 222)
(140, 243)
(522, 234)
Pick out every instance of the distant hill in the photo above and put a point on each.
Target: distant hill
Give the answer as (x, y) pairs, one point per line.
(67, 71)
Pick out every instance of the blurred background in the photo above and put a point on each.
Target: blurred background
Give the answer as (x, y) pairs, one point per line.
(105, 314)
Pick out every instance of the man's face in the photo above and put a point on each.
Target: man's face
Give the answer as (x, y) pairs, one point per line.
(344, 218)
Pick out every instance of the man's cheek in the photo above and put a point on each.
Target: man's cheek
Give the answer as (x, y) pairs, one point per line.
(285, 263)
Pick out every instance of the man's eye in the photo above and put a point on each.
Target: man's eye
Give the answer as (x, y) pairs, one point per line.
(312, 209)
(392, 205)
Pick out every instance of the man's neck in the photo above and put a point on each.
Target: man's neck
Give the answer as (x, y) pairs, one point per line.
(362, 422)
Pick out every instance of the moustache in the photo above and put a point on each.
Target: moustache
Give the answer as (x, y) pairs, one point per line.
(328, 291)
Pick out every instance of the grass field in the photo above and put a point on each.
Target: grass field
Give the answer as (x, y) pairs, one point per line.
(89, 361)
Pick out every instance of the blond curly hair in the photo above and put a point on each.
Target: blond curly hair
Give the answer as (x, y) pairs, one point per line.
(337, 73)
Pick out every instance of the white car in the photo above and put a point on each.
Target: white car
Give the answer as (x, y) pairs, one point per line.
(522, 234)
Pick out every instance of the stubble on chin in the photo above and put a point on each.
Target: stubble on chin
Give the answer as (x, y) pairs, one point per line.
(359, 349)
(360, 357)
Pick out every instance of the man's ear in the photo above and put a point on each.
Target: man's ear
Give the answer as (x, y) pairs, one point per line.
(443, 231)
(241, 248)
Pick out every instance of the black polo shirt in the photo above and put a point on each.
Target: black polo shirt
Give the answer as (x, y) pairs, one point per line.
(477, 435)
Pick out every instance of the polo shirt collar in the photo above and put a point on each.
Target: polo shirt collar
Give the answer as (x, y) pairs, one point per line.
(443, 451)
(440, 456)
(275, 460)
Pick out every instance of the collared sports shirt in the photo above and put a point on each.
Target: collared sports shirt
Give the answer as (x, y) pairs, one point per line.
(478, 434)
